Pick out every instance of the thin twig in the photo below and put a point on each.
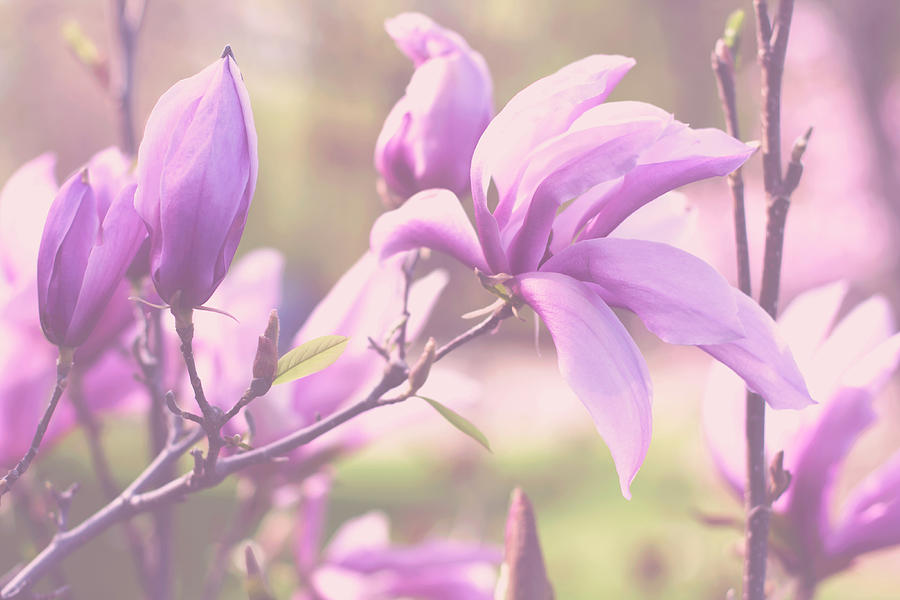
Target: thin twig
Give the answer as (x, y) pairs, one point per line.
(723, 63)
(63, 366)
(772, 47)
(485, 326)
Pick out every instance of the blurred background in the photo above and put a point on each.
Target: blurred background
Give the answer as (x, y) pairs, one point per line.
(322, 76)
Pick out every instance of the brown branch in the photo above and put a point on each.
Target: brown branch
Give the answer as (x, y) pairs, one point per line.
(772, 48)
(63, 366)
(136, 499)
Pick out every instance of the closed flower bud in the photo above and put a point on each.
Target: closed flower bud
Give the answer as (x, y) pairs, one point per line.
(429, 136)
(84, 252)
(197, 167)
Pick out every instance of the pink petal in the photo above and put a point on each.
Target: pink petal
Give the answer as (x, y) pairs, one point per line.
(600, 362)
(762, 358)
(431, 219)
(871, 520)
(679, 297)
(603, 144)
(681, 156)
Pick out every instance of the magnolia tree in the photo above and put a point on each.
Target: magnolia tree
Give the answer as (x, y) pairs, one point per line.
(123, 275)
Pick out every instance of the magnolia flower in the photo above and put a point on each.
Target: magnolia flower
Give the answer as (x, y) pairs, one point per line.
(429, 136)
(846, 363)
(568, 170)
(197, 169)
(360, 563)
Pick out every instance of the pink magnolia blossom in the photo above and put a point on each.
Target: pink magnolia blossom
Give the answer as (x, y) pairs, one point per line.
(569, 169)
(360, 563)
(429, 136)
(847, 363)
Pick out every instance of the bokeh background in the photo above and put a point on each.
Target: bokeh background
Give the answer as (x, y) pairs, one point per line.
(322, 75)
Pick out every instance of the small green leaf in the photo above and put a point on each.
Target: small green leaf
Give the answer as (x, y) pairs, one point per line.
(733, 26)
(459, 422)
(310, 357)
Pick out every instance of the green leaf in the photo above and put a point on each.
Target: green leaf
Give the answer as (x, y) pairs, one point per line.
(310, 357)
(459, 422)
(733, 26)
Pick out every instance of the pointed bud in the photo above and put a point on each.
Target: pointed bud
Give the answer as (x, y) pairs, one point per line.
(197, 167)
(430, 135)
(524, 574)
(418, 375)
(265, 364)
(84, 252)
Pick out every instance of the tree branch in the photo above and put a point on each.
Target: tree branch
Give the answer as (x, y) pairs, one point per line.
(63, 366)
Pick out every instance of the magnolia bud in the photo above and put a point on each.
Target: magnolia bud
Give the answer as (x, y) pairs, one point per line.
(84, 252)
(197, 168)
(430, 135)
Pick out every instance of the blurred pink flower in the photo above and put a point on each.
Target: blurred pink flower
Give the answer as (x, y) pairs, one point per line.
(847, 363)
(360, 563)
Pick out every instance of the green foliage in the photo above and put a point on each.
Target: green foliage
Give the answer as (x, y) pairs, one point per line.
(310, 357)
(459, 422)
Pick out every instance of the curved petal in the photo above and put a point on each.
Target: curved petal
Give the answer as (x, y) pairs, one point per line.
(681, 156)
(762, 358)
(121, 234)
(871, 520)
(817, 457)
(679, 297)
(868, 325)
(430, 219)
(543, 110)
(807, 320)
(600, 362)
(603, 144)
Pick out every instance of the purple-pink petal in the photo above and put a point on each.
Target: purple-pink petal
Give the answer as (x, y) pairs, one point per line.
(815, 460)
(431, 219)
(599, 361)
(682, 155)
(603, 144)
(119, 238)
(69, 236)
(679, 297)
(762, 358)
(871, 520)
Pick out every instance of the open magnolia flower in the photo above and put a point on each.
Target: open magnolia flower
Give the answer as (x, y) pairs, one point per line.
(568, 170)
(846, 364)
